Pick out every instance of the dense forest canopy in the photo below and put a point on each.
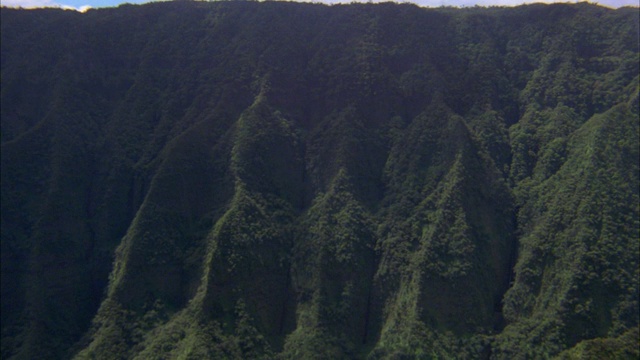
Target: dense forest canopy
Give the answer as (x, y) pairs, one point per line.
(245, 180)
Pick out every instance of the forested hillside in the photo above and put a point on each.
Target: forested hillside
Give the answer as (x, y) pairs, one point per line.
(261, 180)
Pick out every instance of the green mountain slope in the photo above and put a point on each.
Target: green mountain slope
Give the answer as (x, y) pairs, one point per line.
(242, 180)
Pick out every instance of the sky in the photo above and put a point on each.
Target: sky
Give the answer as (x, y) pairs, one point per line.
(83, 5)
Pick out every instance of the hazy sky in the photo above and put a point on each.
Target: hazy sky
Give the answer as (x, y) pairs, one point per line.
(86, 4)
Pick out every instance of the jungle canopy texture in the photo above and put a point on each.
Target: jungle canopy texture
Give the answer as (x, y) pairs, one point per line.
(245, 180)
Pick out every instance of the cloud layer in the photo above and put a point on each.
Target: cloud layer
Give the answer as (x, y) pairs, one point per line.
(32, 4)
(460, 3)
(29, 4)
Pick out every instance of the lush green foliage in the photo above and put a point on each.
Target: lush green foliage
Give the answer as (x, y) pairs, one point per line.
(239, 180)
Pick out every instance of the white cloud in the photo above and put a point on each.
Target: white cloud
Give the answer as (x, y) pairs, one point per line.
(31, 4)
(470, 3)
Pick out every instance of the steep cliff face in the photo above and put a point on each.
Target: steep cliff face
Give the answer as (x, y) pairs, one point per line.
(260, 180)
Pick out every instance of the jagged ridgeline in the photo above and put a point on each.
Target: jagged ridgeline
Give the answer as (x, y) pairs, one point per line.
(244, 180)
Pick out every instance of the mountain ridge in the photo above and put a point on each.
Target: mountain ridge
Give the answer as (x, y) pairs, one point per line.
(281, 180)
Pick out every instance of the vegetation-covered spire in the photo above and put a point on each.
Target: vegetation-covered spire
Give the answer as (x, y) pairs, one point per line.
(193, 180)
